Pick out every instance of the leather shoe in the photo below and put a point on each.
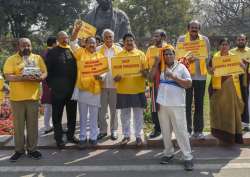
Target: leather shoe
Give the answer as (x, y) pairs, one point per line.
(154, 134)
(114, 136)
(73, 140)
(101, 136)
(60, 144)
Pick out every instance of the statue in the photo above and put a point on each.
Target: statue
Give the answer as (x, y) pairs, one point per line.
(104, 16)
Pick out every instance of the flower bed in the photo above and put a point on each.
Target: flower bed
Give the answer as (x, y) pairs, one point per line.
(6, 119)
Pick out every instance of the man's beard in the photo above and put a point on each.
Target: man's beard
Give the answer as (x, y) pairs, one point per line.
(241, 46)
(25, 52)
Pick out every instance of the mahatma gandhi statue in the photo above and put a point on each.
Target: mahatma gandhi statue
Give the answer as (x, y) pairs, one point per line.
(104, 16)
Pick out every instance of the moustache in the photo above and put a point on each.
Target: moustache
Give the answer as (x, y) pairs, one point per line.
(25, 52)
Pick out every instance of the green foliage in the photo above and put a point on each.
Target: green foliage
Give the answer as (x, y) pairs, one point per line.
(148, 15)
(25, 17)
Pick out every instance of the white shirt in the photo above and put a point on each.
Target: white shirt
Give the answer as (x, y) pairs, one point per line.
(109, 53)
(169, 93)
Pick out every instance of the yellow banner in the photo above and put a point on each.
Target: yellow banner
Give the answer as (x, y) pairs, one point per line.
(227, 65)
(94, 67)
(86, 30)
(153, 52)
(129, 66)
(198, 48)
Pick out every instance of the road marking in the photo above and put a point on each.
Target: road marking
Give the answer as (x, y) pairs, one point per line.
(120, 168)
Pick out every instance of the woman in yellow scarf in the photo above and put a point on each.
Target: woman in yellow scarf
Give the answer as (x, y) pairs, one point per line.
(226, 105)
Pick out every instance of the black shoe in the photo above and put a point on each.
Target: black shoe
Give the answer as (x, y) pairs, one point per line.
(60, 144)
(154, 134)
(93, 142)
(64, 130)
(188, 165)
(16, 156)
(49, 130)
(246, 129)
(82, 143)
(125, 140)
(138, 141)
(101, 136)
(114, 136)
(166, 159)
(73, 140)
(35, 155)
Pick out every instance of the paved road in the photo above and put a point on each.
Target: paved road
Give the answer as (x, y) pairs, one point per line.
(209, 162)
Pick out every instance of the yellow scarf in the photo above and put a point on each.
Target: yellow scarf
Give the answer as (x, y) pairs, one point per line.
(102, 49)
(216, 81)
(203, 67)
(64, 46)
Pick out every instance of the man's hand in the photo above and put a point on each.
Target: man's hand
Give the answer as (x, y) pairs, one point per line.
(117, 78)
(168, 73)
(243, 65)
(211, 70)
(78, 25)
(157, 61)
(145, 73)
(98, 77)
(32, 78)
(192, 58)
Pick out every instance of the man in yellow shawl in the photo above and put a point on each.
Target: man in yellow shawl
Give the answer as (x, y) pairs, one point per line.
(244, 52)
(198, 71)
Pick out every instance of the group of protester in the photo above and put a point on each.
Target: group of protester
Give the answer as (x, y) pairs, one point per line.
(173, 84)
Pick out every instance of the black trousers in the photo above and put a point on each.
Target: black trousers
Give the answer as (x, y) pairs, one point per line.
(57, 112)
(197, 91)
(245, 95)
(154, 113)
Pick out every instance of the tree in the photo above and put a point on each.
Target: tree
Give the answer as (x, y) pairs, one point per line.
(226, 17)
(147, 15)
(24, 17)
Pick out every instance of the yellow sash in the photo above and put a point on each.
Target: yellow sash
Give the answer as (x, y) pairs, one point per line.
(203, 67)
(102, 49)
(216, 81)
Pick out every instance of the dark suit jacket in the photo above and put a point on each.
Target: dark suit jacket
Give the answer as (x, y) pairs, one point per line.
(62, 73)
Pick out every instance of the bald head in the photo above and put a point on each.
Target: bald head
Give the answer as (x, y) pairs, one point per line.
(241, 41)
(159, 36)
(62, 38)
(194, 27)
(24, 46)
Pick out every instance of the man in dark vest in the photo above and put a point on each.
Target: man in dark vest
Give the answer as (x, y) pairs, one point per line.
(104, 16)
(62, 73)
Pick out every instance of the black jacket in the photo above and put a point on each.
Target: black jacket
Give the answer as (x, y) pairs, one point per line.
(62, 72)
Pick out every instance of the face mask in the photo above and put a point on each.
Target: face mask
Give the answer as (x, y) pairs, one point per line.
(25, 52)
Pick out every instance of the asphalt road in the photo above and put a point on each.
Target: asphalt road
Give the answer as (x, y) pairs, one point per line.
(209, 162)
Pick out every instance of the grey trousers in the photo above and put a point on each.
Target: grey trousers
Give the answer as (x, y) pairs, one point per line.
(26, 116)
(108, 99)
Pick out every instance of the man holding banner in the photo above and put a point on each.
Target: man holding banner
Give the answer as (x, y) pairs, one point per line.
(199, 46)
(128, 70)
(244, 52)
(90, 66)
(108, 94)
(159, 40)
